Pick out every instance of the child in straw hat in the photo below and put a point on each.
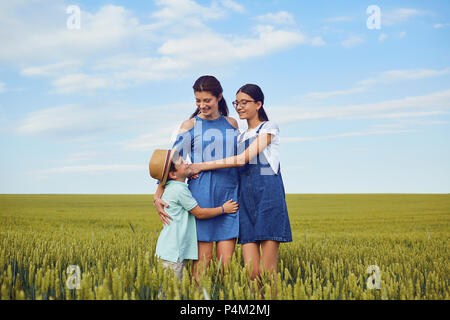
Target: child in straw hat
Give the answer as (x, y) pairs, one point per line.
(178, 241)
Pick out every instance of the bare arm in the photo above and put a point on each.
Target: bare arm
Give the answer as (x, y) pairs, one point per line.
(240, 160)
(207, 213)
(232, 122)
(186, 126)
(160, 205)
(159, 192)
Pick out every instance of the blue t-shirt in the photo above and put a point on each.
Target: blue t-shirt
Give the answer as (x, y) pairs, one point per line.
(178, 241)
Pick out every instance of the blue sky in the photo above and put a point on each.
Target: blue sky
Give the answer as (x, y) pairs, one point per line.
(360, 110)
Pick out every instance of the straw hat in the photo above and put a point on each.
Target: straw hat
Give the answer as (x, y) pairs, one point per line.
(160, 164)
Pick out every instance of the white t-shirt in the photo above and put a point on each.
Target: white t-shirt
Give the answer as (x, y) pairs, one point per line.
(272, 151)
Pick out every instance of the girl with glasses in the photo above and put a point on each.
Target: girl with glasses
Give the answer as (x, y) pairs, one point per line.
(263, 221)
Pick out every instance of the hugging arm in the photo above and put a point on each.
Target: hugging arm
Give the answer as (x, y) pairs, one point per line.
(207, 213)
(255, 148)
(160, 205)
(182, 144)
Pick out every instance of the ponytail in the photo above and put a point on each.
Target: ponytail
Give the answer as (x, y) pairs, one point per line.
(195, 113)
(223, 107)
(262, 114)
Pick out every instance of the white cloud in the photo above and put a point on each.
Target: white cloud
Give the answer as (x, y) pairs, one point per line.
(233, 6)
(317, 42)
(176, 9)
(422, 122)
(133, 123)
(387, 125)
(163, 137)
(2, 87)
(353, 41)
(52, 69)
(379, 129)
(176, 58)
(384, 78)
(339, 19)
(400, 15)
(83, 156)
(395, 115)
(64, 120)
(92, 121)
(181, 55)
(92, 168)
(80, 82)
(325, 95)
(222, 50)
(441, 25)
(402, 34)
(344, 135)
(418, 106)
(43, 36)
(382, 37)
(281, 17)
(392, 76)
(176, 29)
(184, 16)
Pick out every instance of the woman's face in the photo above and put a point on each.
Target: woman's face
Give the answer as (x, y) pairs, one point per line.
(207, 103)
(247, 108)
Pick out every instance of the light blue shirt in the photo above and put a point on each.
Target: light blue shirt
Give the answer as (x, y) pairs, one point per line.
(178, 241)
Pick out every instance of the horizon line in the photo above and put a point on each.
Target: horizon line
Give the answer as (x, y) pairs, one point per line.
(150, 194)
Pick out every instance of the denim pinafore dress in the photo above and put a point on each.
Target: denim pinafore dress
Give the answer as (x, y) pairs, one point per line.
(262, 204)
(211, 140)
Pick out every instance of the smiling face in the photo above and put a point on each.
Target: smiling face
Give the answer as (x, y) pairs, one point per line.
(207, 103)
(182, 169)
(247, 108)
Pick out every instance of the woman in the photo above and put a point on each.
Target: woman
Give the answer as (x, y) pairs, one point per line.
(264, 220)
(210, 135)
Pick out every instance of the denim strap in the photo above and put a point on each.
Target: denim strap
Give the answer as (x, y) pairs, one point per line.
(260, 127)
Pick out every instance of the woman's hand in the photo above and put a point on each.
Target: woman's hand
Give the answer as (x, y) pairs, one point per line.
(160, 205)
(230, 206)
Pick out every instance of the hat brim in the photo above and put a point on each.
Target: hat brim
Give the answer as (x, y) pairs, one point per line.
(167, 166)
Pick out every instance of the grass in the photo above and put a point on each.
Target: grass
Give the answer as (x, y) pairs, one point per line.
(336, 238)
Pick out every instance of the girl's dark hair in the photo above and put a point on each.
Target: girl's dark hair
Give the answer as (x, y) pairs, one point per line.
(212, 85)
(256, 93)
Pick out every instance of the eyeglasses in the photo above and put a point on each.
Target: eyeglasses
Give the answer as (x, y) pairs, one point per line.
(243, 103)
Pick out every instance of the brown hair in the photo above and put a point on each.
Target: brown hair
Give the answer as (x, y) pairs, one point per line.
(212, 85)
(172, 168)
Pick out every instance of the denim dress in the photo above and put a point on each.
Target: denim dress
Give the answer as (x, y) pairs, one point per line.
(262, 203)
(211, 140)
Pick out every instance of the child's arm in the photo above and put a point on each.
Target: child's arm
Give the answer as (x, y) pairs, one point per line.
(207, 213)
(236, 161)
(160, 205)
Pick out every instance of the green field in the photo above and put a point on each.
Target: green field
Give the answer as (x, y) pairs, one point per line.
(112, 239)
